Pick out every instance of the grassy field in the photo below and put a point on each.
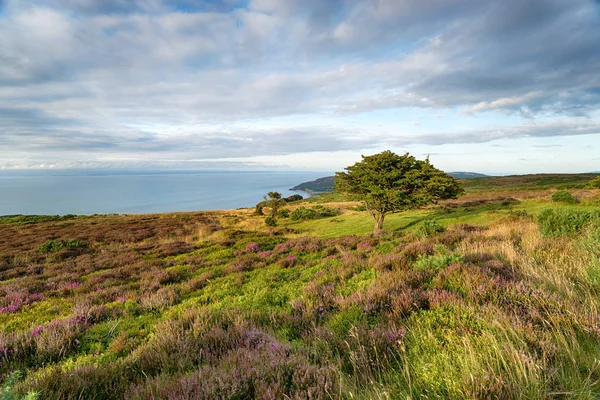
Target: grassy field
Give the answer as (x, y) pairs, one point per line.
(528, 182)
(492, 295)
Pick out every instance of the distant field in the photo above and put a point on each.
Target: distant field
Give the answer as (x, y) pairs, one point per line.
(528, 182)
(513, 182)
(492, 295)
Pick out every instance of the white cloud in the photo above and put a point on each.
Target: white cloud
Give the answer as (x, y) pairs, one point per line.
(144, 80)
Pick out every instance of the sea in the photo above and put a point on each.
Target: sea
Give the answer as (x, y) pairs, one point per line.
(134, 192)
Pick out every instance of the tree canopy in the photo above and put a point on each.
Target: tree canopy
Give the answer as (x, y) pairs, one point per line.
(390, 183)
(273, 200)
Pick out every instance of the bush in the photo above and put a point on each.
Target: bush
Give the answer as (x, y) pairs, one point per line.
(436, 263)
(593, 184)
(303, 213)
(564, 222)
(283, 213)
(325, 212)
(6, 391)
(564, 196)
(52, 246)
(161, 300)
(270, 221)
(294, 197)
(430, 227)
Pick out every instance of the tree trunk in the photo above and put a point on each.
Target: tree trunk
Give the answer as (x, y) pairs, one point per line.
(378, 223)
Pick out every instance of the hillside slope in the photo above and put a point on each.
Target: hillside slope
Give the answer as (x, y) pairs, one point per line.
(473, 181)
(465, 300)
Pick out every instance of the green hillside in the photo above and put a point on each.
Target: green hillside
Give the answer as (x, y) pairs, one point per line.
(478, 182)
(487, 296)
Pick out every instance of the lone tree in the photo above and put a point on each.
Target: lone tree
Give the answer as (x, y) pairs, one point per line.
(389, 183)
(273, 200)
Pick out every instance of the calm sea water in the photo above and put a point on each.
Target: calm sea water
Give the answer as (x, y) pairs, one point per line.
(84, 192)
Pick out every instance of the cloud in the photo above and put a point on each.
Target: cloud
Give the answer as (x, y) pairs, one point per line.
(537, 130)
(154, 77)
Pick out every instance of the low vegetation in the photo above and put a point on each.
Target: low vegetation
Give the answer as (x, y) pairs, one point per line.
(564, 196)
(486, 296)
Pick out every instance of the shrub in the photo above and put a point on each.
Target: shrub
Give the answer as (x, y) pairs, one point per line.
(564, 222)
(288, 261)
(283, 213)
(594, 183)
(564, 196)
(303, 213)
(257, 366)
(430, 227)
(319, 211)
(161, 300)
(52, 246)
(57, 339)
(436, 262)
(270, 221)
(294, 197)
(6, 391)
(325, 212)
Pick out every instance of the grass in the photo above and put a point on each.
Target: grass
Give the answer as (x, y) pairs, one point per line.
(470, 298)
(528, 182)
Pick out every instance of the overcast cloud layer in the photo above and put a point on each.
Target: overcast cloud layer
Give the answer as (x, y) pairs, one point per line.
(300, 84)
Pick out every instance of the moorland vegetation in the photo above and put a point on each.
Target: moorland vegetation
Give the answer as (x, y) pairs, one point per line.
(491, 295)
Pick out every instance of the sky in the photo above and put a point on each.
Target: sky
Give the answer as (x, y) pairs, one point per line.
(499, 87)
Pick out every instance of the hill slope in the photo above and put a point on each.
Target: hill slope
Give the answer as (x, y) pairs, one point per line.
(467, 300)
(473, 181)
(321, 185)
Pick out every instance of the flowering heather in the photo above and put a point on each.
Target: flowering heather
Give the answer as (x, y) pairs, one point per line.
(15, 302)
(252, 248)
(264, 254)
(288, 261)
(166, 307)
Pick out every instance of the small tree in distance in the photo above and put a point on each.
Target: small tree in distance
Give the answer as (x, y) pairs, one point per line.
(389, 183)
(273, 201)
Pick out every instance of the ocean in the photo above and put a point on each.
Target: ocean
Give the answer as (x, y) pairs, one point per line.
(105, 192)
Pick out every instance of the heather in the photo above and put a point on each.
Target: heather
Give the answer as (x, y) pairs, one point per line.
(485, 296)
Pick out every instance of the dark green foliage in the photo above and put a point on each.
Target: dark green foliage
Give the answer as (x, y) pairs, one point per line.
(430, 227)
(283, 213)
(319, 211)
(564, 196)
(390, 183)
(325, 212)
(565, 221)
(52, 246)
(321, 185)
(594, 183)
(273, 200)
(6, 390)
(303, 213)
(292, 198)
(258, 210)
(270, 221)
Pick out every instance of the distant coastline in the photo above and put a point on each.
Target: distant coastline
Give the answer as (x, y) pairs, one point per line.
(308, 193)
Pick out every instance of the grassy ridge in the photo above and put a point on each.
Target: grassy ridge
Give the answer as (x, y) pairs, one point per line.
(216, 305)
(528, 182)
(490, 183)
